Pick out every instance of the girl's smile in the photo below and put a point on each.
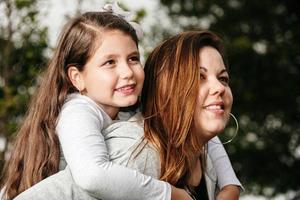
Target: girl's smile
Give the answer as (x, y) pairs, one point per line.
(126, 89)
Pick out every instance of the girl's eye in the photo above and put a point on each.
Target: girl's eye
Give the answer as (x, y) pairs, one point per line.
(224, 80)
(109, 63)
(134, 59)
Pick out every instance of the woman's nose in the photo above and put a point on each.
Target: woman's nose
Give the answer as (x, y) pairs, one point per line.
(216, 87)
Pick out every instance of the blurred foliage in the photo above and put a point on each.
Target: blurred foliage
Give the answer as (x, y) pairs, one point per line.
(263, 49)
(22, 45)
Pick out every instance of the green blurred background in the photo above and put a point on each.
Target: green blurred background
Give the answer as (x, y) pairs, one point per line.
(262, 40)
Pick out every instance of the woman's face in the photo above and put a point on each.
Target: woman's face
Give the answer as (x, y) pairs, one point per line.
(215, 98)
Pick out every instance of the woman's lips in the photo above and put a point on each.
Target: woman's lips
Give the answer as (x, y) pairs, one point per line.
(215, 107)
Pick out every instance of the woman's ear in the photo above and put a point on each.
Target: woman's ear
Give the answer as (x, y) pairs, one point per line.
(76, 78)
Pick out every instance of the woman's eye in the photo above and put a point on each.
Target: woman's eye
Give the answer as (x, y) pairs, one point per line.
(202, 77)
(224, 80)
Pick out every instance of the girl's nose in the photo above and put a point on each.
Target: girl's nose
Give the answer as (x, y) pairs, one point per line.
(126, 71)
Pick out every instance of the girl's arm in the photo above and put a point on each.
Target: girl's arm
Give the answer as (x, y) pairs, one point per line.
(61, 186)
(227, 181)
(85, 152)
(79, 131)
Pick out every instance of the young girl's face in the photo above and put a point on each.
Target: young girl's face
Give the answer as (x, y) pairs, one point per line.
(215, 97)
(113, 77)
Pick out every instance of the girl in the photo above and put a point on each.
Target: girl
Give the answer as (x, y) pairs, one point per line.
(95, 70)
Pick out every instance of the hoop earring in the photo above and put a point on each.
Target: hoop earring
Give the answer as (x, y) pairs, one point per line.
(235, 133)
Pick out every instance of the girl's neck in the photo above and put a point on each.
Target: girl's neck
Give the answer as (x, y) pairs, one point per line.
(112, 112)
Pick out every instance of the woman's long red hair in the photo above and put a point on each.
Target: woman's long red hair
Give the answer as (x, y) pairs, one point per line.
(172, 79)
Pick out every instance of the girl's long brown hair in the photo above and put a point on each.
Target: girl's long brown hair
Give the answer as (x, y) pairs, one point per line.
(36, 151)
(172, 79)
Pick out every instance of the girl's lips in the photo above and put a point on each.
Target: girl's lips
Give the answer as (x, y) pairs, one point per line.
(127, 89)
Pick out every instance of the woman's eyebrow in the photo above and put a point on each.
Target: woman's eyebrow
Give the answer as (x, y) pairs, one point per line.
(223, 71)
(203, 68)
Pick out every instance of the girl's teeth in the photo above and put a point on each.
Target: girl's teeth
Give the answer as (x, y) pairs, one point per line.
(126, 88)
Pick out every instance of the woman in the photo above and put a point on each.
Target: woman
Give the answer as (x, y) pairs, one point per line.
(186, 101)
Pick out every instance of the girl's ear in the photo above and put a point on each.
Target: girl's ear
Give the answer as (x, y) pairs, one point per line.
(76, 78)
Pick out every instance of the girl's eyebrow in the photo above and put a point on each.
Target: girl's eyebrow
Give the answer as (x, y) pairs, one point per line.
(134, 53)
(107, 56)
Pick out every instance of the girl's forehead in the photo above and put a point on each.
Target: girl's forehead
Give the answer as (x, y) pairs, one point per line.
(113, 36)
(114, 43)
